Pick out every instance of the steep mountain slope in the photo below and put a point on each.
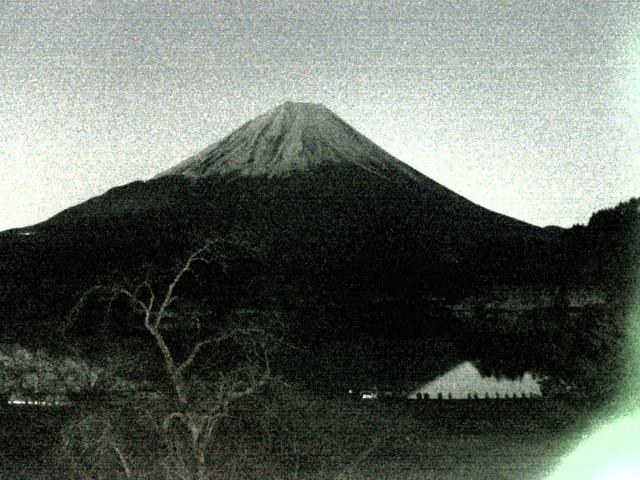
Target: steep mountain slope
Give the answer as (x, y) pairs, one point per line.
(345, 231)
(321, 201)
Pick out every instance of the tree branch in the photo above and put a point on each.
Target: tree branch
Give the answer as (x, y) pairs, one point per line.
(194, 352)
(169, 297)
(123, 460)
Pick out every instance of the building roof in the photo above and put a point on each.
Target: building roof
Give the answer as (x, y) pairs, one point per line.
(465, 379)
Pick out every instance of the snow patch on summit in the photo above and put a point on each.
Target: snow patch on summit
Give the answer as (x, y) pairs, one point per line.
(292, 137)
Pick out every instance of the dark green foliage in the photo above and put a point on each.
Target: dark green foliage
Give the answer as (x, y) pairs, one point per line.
(578, 349)
(573, 351)
(291, 433)
(606, 252)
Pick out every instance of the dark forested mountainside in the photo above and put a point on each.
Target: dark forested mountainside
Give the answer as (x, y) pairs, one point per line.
(580, 346)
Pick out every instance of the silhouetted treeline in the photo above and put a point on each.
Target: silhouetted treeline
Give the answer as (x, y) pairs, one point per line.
(580, 349)
(605, 252)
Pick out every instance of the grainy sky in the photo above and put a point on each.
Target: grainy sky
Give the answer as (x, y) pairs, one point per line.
(528, 108)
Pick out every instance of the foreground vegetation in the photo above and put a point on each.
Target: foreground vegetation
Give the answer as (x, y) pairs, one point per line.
(289, 433)
(199, 397)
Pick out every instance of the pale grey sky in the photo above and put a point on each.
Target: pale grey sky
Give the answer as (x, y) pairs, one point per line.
(530, 108)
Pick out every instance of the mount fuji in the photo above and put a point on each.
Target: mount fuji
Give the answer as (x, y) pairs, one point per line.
(319, 199)
(340, 225)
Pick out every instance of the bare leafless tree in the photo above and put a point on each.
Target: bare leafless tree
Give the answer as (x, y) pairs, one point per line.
(195, 408)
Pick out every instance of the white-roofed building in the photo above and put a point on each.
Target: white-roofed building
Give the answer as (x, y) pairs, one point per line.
(465, 381)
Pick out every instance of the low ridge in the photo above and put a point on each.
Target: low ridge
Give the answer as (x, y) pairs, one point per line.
(292, 137)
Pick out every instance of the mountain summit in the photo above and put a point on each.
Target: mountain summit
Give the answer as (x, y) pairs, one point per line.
(293, 137)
